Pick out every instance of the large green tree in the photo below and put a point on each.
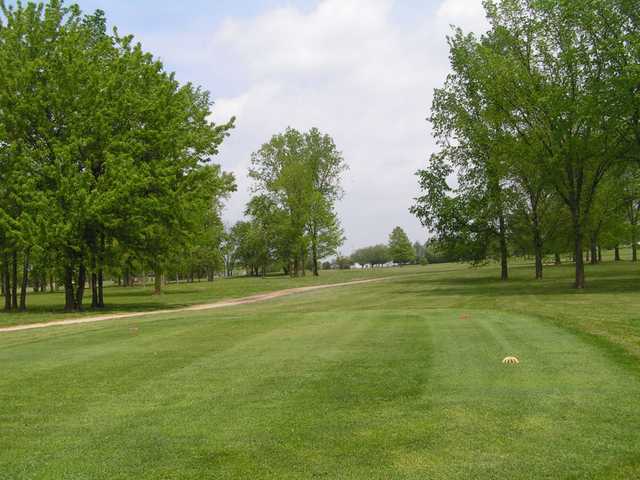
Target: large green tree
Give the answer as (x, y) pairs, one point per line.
(557, 83)
(539, 108)
(105, 152)
(300, 173)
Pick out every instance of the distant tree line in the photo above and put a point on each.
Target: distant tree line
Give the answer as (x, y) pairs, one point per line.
(539, 131)
(398, 251)
(104, 160)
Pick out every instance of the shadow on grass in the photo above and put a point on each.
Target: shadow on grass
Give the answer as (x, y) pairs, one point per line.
(447, 281)
(111, 308)
(558, 281)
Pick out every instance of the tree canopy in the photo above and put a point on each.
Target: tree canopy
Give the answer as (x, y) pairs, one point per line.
(297, 182)
(535, 116)
(400, 248)
(105, 156)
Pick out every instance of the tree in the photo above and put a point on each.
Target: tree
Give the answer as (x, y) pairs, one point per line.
(102, 151)
(557, 85)
(400, 247)
(204, 249)
(471, 135)
(420, 252)
(373, 256)
(25, 33)
(343, 263)
(540, 108)
(164, 183)
(462, 220)
(300, 174)
(243, 250)
(228, 250)
(631, 207)
(326, 166)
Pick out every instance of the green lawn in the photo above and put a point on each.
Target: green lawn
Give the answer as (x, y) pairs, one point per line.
(395, 380)
(50, 306)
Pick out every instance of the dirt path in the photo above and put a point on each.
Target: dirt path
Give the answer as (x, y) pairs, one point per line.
(261, 297)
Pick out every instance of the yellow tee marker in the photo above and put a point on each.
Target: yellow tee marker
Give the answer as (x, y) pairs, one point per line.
(511, 361)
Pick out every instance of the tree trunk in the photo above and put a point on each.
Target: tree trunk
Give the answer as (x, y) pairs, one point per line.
(617, 253)
(25, 282)
(539, 265)
(303, 263)
(504, 262)
(316, 272)
(314, 253)
(94, 289)
(579, 277)
(69, 295)
(14, 281)
(100, 288)
(94, 282)
(594, 250)
(157, 281)
(82, 280)
(634, 236)
(101, 257)
(558, 260)
(537, 245)
(6, 281)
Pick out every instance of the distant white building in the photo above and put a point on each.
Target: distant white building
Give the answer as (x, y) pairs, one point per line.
(357, 266)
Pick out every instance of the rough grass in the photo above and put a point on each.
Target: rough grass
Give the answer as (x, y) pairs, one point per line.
(395, 380)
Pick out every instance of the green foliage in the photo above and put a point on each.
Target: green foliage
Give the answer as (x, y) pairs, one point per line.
(376, 255)
(298, 175)
(536, 117)
(105, 157)
(400, 248)
(420, 252)
(343, 263)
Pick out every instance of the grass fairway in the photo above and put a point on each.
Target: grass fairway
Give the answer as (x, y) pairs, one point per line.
(394, 380)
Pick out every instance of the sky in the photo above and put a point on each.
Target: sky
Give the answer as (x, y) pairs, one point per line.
(362, 71)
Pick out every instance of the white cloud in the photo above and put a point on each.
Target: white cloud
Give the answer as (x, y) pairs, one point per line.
(466, 14)
(352, 70)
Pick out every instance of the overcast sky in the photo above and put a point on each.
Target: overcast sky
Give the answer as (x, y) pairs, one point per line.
(362, 71)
